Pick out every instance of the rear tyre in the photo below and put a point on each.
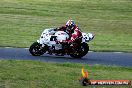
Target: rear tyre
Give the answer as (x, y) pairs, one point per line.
(36, 49)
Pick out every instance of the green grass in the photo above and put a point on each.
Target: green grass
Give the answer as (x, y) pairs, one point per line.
(36, 74)
(22, 21)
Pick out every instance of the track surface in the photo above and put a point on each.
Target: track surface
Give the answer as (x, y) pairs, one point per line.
(105, 58)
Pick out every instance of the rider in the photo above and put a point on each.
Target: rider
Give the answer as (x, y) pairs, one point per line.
(72, 30)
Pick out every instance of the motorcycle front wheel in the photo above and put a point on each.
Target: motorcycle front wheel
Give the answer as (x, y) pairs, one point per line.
(36, 49)
(81, 51)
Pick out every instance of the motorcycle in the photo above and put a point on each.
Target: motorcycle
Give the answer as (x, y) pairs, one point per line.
(52, 42)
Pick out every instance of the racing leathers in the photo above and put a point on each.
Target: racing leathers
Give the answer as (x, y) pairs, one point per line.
(74, 33)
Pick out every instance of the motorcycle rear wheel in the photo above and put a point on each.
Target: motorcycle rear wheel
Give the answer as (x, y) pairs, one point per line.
(36, 49)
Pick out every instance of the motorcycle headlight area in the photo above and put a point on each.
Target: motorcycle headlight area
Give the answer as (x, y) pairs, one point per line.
(91, 36)
(88, 36)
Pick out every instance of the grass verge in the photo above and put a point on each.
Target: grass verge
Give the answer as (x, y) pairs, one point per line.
(22, 21)
(36, 74)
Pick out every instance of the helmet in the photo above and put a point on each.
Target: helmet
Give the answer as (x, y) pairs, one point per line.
(70, 24)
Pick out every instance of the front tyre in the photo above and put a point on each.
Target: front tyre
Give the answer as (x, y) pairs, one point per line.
(36, 49)
(84, 48)
(81, 51)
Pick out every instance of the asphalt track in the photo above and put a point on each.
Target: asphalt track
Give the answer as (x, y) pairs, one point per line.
(104, 58)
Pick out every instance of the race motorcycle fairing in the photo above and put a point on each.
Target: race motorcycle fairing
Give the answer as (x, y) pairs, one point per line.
(52, 42)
